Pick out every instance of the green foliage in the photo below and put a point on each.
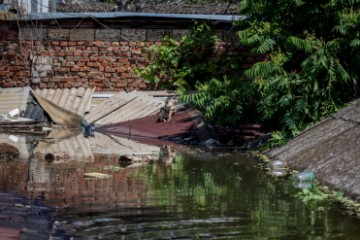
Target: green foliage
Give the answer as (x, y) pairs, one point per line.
(261, 36)
(277, 139)
(320, 194)
(310, 67)
(190, 64)
(181, 64)
(308, 72)
(222, 101)
(317, 198)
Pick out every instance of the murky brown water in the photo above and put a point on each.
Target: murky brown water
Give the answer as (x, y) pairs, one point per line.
(164, 193)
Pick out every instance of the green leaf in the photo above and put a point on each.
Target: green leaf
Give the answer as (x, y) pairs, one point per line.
(355, 43)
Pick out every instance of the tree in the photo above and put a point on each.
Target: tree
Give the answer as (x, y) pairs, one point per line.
(310, 66)
(309, 71)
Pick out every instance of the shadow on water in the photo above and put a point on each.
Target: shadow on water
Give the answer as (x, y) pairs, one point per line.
(109, 187)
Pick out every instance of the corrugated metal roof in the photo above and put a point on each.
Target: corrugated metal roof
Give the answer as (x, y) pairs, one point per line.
(76, 100)
(11, 98)
(123, 107)
(58, 15)
(331, 149)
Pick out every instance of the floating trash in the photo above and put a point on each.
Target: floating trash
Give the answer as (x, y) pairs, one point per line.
(96, 175)
(277, 164)
(277, 168)
(305, 176)
(303, 180)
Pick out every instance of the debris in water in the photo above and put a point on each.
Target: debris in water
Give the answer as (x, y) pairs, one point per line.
(277, 168)
(96, 175)
(303, 180)
(305, 176)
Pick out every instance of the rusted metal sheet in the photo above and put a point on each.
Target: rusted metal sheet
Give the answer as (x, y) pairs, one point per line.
(12, 98)
(331, 149)
(181, 123)
(77, 100)
(123, 107)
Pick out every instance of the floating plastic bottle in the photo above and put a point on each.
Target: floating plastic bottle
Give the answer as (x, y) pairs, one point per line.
(277, 164)
(277, 168)
(305, 176)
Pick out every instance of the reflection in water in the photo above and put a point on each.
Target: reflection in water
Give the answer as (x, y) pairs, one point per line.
(156, 193)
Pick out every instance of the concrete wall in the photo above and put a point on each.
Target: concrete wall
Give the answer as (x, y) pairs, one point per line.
(48, 57)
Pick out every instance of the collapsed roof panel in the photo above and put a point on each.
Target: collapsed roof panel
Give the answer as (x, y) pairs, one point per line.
(124, 107)
(76, 100)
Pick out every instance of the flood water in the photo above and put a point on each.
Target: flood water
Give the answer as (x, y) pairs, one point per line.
(164, 193)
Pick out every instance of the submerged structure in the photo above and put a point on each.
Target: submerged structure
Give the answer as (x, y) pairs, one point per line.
(330, 149)
(134, 114)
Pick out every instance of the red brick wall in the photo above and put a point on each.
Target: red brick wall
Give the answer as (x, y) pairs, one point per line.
(61, 58)
(108, 66)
